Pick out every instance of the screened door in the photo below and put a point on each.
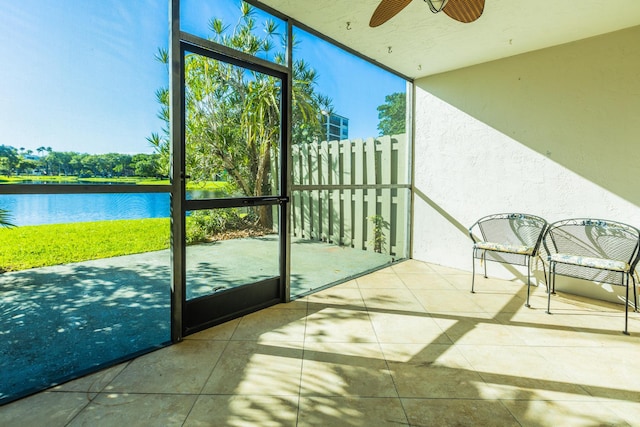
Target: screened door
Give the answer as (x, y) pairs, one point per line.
(233, 188)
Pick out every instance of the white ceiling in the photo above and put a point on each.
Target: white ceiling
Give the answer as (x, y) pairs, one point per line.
(417, 43)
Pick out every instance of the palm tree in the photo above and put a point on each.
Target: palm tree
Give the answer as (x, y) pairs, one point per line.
(233, 126)
(4, 219)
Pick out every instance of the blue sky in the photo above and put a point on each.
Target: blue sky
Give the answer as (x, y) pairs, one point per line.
(80, 75)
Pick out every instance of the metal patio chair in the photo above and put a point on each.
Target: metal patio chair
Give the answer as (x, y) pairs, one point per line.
(596, 250)
(511, 238)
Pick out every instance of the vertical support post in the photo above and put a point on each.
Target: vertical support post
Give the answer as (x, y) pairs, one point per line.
(286, 164)
(176, 172)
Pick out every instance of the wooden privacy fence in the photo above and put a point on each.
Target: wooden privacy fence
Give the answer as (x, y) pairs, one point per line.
(352, 193)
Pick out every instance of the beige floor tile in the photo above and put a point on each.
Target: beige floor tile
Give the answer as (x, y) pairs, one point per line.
(491, 284)
(391, 300)
(538, 329)
(448, 270)
(117, 410)
(351, 411)
(435, 301)
(604, 372)
(431, 371)
(249, 367)
(272, 324)
(537, 413)
(610, 338)
(430, 280)
(355, 326)
(350, 284)
(49, 409)
(567, 304)
(457, 412)
(624, 409)
(407, 328)
(222, 332)
(180, 368)
(93, 383)
(521, 368)
(606, 329)
(244, 411)
(412, 266)
(380, 280)
(462, 281)
(338, 369)
(336, 297)
(556, 336)
(466, 330)
(495, 302)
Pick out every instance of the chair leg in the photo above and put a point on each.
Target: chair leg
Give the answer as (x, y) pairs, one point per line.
(552, 279)
(635, 295)
(484, 259)
(473, 270)
(626, 310)
(544, 271)
(528, 282)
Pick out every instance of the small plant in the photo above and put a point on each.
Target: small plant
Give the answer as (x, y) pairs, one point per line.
(4, 219)
(379, 239)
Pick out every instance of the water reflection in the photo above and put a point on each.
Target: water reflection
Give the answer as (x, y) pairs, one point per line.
(36, 209)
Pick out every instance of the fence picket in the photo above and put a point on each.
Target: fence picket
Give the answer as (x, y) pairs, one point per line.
(385, 198)
(347, 198)
(335, 173)
(360, 222)
(296, 200)
(314, 172)
(324, 211)
(306, 195)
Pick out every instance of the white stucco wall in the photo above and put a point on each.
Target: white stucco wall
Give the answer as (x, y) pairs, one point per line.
(554, 133)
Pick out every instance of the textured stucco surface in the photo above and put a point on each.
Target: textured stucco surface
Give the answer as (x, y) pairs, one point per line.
(553, 133)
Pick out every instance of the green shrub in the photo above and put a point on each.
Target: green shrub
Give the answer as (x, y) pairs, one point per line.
(202, 225)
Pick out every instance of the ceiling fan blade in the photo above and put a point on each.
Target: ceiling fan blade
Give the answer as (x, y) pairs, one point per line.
(386, 10)
(464, 10)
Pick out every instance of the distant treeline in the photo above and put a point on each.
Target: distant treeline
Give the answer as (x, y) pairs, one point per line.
(45, 161)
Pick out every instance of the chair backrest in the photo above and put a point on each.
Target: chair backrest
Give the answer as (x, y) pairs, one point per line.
(595, 238)
(515, 229)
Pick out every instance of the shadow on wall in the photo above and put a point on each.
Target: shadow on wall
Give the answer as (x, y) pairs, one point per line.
(577, 104)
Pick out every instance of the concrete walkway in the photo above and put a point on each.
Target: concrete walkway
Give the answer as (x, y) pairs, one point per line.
(62, 321)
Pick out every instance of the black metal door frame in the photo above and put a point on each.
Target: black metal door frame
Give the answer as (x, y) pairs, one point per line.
(189, 316)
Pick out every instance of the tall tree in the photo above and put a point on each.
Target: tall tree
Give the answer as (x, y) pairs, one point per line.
(8, 159)
(393, 114)
(233, 114)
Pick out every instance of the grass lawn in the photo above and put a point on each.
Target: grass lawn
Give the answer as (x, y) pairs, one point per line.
(51, 244)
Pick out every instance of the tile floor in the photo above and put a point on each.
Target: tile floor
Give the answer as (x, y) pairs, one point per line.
(407, 345)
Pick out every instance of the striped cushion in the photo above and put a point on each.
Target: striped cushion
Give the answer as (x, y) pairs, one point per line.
(601, 263)
(500, 247)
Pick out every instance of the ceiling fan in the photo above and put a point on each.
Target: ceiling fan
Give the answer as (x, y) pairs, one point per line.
(461, 10)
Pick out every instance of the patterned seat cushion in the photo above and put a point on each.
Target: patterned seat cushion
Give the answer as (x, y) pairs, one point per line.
(601, 263)
(500, 247)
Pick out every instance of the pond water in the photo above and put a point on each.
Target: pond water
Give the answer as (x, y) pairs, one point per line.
(36, 209)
